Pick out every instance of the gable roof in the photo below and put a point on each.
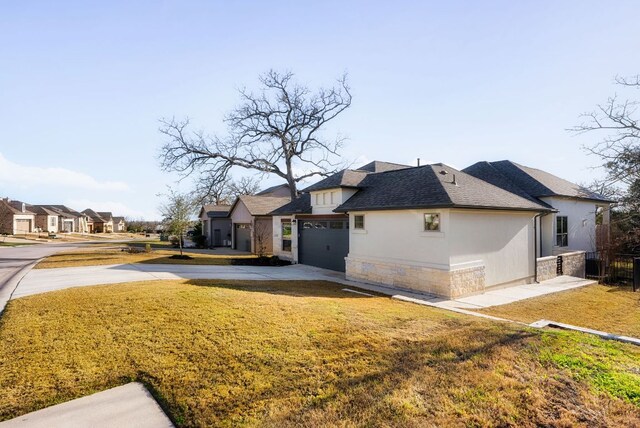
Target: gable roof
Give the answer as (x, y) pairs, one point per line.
(66, 210)
(118, 219)
(260, 205)
(529, 182)
(432, 186)
(379, 166)
(94, 215)
(15, 207)
(43, 210)
(344, 178)
(273, 189)
(300, 205)
(215, 211)
(106, 215)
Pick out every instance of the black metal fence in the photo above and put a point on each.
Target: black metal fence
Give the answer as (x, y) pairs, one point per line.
(613, 269)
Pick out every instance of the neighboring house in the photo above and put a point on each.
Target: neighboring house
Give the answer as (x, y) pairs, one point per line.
(96, 223)
(119, 225)
(216, 225)
(47, 219)
(578, 219)
(16, 218)
(251, 222)
(431, 229)
(108, 221)
(70, 220)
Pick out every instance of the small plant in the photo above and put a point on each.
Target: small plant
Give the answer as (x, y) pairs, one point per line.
(147, 247)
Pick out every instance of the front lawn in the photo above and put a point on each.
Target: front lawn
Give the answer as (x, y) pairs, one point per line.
(221, 353)
(111, 256)
(600, 307)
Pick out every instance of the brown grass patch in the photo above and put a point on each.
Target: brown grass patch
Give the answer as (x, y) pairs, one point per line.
(611, 309)
(221, 353)
(112, 256)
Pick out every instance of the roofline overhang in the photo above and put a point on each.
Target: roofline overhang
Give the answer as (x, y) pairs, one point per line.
(581, 198)
(451, 206)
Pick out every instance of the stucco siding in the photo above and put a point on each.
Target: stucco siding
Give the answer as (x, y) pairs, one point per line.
(581, 221)
(277, 239)
(501, 241)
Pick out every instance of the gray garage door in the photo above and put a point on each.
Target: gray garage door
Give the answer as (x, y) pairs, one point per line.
(23, 226)
(243, 237)
(323, 243)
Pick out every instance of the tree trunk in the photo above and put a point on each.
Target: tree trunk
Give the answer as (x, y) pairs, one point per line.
(291, 181)
(180, 243)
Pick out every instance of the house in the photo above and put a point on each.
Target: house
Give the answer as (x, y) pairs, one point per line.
(16, 218)
(119, 225)
(579, 218)
(98, 222)
(431, 229)
(251, 222)
(108, 221)
(47, 219)
(216, 225)
(70, 220)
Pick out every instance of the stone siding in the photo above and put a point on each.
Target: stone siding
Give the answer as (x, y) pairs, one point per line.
(449, 284)
(573, 264)
(547, 268)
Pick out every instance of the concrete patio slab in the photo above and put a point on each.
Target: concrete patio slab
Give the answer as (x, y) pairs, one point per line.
(130, 405)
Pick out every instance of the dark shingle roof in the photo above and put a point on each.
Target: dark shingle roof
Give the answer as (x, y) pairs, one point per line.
(300, 205)
(261, 205)
(17, 206)
(432, 186)
(378, 166)
(94, 215)
(105, 215)
(66, 210)
(43, 210)
(344, 178)
(528, 181)
(272, 189)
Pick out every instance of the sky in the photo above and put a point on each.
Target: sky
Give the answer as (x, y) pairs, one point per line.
(83, 84)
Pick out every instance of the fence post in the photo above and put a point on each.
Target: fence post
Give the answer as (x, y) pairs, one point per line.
(636, 273)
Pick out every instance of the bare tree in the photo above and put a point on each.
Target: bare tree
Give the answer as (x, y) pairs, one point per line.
(620, 146)
(261, 234)
(619, 150)
(225, 192)
(274, 131)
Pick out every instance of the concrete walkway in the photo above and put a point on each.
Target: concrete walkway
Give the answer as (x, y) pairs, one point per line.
(44, 280)
(129, 405)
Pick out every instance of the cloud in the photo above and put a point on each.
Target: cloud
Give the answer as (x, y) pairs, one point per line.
(24, 177)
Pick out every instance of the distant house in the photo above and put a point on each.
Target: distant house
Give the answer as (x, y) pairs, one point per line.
(279, 191)
(70, 220)
(47, 219)
(98, 222)
(119, 225)
(216, 225)
(16, 218)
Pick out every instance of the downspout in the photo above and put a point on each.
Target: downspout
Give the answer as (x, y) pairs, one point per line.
(535, 244)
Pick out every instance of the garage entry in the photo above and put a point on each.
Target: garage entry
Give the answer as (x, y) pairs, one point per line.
(23, 226)
(243, 237)
(323, 243)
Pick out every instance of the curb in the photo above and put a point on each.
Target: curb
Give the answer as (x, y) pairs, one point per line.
(12, 284)
(602, 334)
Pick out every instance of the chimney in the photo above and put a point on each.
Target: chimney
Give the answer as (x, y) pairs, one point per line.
(418, 161)
(454, 180)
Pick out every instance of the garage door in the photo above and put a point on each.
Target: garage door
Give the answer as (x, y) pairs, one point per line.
(23, 226)
(324, 243)
(243, 237)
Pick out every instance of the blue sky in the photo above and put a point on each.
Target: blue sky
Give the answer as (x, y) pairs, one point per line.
(83, 84)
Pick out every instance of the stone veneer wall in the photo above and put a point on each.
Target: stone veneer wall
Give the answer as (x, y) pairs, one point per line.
(547, 268)
(573, 264)
(450, 284)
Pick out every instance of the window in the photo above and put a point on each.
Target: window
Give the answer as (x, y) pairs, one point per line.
(336, 225)
(286, 235)
(358, 222)
(333, 198)
(431, 222)
(317, 198)
(562, 231)
(52, 221)
(324, 199)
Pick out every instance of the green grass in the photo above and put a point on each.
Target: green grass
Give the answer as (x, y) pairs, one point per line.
(221, 353)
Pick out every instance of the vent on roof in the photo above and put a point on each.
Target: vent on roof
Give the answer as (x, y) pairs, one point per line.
(443, 172)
